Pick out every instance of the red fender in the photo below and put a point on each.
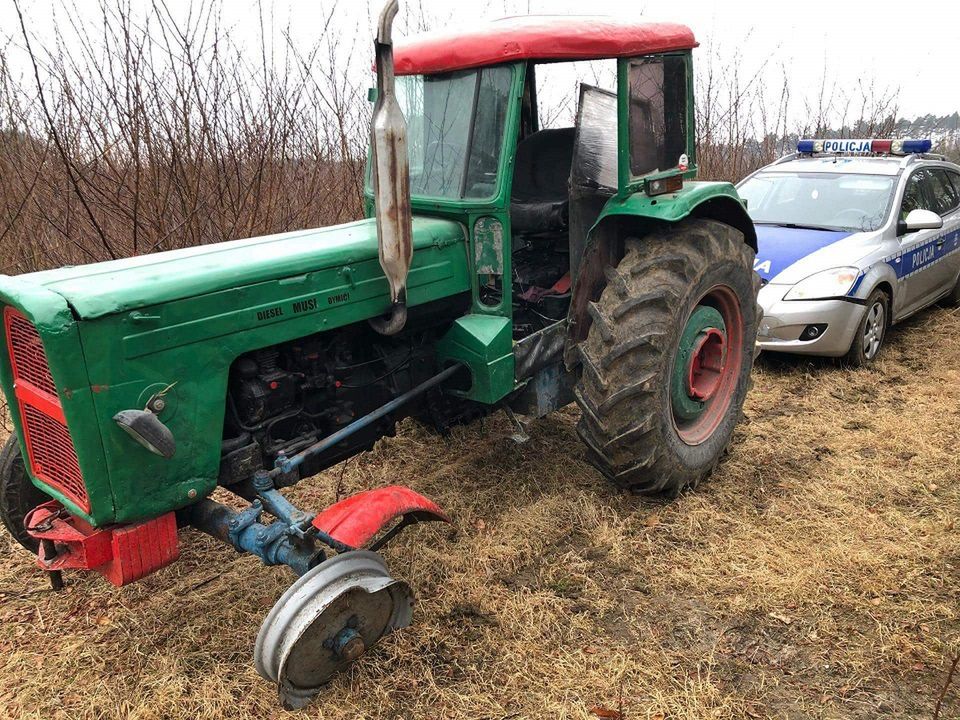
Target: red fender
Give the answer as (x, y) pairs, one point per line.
(357, 519)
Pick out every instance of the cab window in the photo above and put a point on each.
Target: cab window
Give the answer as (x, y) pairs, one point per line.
(657, 117)
(954, 178)
(914, 197)
(943, 194)
(455, 129)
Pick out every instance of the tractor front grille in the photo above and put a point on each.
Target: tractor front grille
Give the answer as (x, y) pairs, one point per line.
(50, 450)
(26, 353)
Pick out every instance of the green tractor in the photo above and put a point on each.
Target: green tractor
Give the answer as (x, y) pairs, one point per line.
(501, 266)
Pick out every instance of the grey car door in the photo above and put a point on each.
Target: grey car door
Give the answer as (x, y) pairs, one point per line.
(921, 268)
(949, 209)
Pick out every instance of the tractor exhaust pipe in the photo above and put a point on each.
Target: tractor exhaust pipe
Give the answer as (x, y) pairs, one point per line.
(391, 179)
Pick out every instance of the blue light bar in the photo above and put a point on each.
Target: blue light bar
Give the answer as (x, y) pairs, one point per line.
(892, 147)
(913, 146)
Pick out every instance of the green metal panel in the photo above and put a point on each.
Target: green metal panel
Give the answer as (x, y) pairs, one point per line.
(485, 344)
(671, 207)
(104, 288)
(190, 338)
(60, 334)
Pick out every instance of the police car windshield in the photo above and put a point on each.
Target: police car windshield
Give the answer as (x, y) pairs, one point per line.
(828, 201)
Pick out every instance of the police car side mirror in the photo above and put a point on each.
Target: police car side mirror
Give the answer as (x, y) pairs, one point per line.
(919, 220)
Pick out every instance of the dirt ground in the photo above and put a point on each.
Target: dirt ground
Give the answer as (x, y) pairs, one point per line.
(814, 576)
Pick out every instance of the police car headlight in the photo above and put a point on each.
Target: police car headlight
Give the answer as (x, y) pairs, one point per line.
(827, 284)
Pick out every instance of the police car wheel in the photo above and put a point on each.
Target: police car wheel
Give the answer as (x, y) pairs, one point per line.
(872, 331)
(666, 363)
(18, 495)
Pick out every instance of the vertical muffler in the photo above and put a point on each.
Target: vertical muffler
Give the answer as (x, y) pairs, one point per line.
(391, 179)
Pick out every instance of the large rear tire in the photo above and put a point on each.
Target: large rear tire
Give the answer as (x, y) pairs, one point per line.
(18, 495)
(666, 363)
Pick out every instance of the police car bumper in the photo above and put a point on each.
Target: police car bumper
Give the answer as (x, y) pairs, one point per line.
(786, 324)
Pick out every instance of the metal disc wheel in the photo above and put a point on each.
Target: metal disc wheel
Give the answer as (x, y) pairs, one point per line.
(708, 364)
(327, 619)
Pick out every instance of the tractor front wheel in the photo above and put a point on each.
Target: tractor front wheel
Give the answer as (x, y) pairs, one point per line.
(18, 496)
(666, 364)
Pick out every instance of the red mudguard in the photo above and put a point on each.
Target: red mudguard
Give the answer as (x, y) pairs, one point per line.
(357, 519)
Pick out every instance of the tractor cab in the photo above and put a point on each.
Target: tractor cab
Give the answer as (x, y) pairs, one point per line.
(531, 196)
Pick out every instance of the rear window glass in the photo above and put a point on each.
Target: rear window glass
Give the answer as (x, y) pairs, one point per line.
(658, 113)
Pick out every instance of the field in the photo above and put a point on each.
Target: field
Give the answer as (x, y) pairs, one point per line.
(814, 576)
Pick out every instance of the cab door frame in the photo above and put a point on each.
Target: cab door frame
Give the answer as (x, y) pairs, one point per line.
(628, 182)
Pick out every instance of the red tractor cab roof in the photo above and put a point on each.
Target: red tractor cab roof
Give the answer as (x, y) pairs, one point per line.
(543, 38)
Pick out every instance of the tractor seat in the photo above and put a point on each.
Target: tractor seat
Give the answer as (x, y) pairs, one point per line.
(540, 198)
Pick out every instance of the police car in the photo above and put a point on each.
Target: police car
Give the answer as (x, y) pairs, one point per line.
(853, 236)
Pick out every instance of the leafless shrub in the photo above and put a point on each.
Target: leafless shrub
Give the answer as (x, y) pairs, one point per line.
(135, 133)
(132, 132)
(746, 121)
(741, 123)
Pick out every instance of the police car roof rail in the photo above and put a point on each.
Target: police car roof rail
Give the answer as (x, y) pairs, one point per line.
(916, 157)
(786, 158)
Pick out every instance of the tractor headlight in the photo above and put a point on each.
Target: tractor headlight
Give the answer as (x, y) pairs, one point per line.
(146, 428)
(827, 284)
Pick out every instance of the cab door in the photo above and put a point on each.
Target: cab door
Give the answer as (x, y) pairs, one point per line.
(922, 266)
(655, 124)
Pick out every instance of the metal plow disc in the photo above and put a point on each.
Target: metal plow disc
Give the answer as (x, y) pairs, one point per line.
(327, 619)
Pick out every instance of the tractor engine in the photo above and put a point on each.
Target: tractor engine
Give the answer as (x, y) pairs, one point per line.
(284, 398)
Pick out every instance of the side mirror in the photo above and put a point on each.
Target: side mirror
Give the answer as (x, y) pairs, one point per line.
(920, 220)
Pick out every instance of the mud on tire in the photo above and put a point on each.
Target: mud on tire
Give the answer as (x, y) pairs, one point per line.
(628, 419)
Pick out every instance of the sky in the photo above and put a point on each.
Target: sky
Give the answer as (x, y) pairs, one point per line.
(846, 41)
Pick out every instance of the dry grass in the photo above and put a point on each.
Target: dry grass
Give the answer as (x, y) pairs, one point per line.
(815, 576)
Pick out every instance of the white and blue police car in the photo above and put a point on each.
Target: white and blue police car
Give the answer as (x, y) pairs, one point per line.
(853, 236)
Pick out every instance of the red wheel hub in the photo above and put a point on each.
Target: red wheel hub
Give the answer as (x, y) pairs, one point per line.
(705, 384)
(706, 365)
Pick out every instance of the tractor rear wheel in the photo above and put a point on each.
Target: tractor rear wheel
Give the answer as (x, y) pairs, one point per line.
(666, 363)
(18, 495)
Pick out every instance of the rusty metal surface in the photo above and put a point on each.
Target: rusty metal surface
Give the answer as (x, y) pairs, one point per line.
(488, 246)
(391, 175)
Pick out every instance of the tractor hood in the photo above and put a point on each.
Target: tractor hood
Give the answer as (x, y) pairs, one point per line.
(116, 286)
